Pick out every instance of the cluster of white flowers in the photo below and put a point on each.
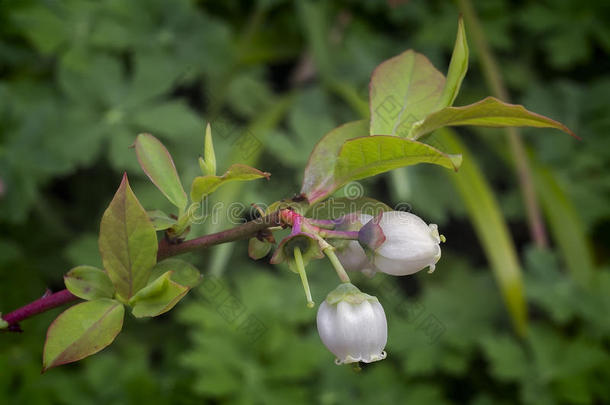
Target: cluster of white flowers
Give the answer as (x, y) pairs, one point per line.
(352, 324)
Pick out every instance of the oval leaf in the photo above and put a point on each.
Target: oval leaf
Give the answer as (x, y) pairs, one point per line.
(489, 112)
(158, 165)
(89, 283)
(403, 90)
(368, 156)
(158, 297)
(160, 220)
(128, 242)
(457, 68)
(319, 172)
(205, 185)
(82, 330)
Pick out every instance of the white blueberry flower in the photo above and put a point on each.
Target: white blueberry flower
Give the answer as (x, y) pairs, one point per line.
(402, 243)
(352, 325)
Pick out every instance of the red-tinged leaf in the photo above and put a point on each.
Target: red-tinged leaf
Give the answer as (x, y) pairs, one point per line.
(158, 165)
(82, 330)
(367, 156)
(128, 242)
(205, 185)
(318, 180)
(371, 155)
(489, 112)
(403, 90)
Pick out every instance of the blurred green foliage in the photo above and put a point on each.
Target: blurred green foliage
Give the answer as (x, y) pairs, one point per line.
(79, 79)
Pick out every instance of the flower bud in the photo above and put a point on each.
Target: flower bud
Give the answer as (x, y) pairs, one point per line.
(350, 253)
(407, 245)
(352, 325)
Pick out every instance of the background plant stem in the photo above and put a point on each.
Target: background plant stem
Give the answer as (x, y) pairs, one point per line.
(494, 81)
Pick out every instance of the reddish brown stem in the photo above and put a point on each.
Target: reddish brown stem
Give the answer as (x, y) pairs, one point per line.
(166, 249)
(36, 307)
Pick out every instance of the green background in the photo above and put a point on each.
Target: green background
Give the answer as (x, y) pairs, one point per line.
(80, 79)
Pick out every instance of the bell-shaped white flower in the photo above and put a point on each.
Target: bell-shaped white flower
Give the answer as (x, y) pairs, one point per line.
(352, 325)
(350, 253)
(405, 245)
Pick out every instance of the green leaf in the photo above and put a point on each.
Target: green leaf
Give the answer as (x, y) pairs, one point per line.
(205, 185)
(160, 220)
(208, 152)
(89, 283)
(98, 80)
(128, 242)
(371, 155)
(3, 323)
(491, 230)
(154, 74)
(557, 356)
(508, 362)
(319, 173)
(174, 119)
(403, 90)
(489, 112)
(44, 28)
(158, 297)
(457, 68)
(158, 165)
(184, 273)
(82, 330)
